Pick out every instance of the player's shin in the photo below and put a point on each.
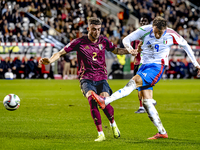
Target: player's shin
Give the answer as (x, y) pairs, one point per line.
(95, 113)
(109, 112)
(130, 86)
(153, 115)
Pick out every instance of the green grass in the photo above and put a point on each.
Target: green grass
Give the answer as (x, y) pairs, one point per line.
(55, 115)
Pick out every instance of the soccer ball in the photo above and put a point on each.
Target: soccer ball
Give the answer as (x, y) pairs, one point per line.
(11, 102)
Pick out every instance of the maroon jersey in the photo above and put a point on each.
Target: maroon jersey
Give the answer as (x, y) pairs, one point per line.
(91, 57)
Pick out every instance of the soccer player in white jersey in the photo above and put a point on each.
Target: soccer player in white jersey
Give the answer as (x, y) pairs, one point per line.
(157, 40)
(143, 21)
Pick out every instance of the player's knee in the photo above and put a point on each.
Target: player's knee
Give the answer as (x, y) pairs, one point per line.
(104, 94)
(130, 86)
(138, 80)
(89, 93)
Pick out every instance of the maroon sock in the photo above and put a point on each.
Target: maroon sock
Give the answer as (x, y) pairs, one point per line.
(109, 112)
(95, 113)
(141, 105)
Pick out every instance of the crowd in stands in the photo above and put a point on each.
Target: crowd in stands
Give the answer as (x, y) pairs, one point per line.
(69, 19)
(30, 69)
(180, 68)
(180, 15)
(20, 68)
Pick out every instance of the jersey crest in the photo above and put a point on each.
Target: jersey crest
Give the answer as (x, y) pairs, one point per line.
(100, 46)
(164, 40)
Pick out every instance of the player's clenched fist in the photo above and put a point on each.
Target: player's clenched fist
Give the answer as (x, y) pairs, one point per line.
(44, 61)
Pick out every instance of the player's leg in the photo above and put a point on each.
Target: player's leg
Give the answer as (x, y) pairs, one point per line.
(109, 112)
(135, 82)
(140, 96)
(141, 108)
(153, 114)
(147, 75)
(87, 88)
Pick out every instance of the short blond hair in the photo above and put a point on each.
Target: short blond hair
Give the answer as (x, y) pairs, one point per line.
(94, 20)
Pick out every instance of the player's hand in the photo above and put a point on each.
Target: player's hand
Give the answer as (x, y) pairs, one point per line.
(44, 61)
(133, 52)
(198, 71)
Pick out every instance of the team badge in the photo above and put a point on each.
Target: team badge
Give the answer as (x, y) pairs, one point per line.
(100, 46)
(164, 41)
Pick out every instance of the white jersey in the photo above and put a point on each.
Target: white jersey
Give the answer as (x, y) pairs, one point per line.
(157, 50)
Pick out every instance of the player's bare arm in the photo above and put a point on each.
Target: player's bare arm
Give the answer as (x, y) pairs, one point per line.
(120, 51)
(53, 58)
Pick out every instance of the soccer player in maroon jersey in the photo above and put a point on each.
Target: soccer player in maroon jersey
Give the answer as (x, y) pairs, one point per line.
(92, 70)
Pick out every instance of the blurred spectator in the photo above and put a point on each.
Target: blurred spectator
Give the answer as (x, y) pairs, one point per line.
(115, 66)
(19, 66)
(19, 37)
(122, 61)
(13, 67)
(73, 68)
(2, 63)
(66, 66)
(5, 9)
(16, 18)
(33, 69)
(7, 65)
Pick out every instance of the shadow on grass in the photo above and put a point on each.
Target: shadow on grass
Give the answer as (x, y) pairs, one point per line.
(165, 141)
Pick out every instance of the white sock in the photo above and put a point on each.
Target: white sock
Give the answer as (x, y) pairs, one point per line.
(130, 86)
(101, 132)
(113, 124)
(153, 115)
(153, 101)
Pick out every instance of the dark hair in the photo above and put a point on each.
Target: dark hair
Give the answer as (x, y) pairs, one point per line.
(160, 22)
(145, 16)
(95, 21)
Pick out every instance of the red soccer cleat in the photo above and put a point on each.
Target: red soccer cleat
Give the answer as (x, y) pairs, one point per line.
(158, 135)
(99, 99)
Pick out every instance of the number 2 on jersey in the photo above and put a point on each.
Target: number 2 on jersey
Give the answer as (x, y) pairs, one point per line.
(157, 47)
(94, 55)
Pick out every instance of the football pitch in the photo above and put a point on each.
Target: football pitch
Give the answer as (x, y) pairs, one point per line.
(54, 115)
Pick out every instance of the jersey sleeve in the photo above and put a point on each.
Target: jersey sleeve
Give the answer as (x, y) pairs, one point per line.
(109, 45)
(71, 46)
(179, 40)
(136, 35)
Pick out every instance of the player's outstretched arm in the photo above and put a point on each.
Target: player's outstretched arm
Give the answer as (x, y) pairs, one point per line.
(53, 58)
(120, 51)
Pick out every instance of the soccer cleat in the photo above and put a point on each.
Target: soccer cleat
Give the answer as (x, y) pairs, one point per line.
(140, 110)
(100, 138)
(99, 99)
(116, 132)
(158, 135)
